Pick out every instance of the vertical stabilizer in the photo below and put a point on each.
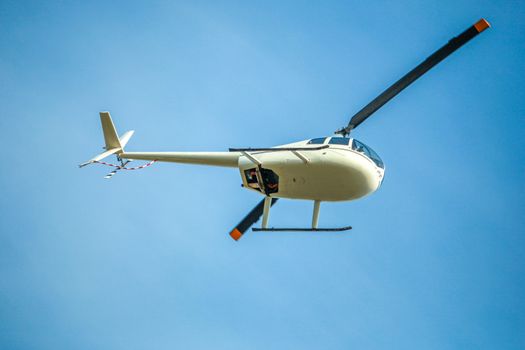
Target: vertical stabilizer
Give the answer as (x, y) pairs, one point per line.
(110, 134)
(114, 144)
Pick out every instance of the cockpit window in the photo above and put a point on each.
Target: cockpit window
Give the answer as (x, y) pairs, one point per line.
(339, 141)
(367, 151)
(318, 141)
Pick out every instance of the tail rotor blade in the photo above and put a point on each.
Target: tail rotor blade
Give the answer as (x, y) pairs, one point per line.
(249, 220)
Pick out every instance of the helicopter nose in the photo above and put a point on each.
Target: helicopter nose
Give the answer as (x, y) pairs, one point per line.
(364, 176)
(371, 179)
(381, 175)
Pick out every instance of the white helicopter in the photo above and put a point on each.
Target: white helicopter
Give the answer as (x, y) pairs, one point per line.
(333, 168)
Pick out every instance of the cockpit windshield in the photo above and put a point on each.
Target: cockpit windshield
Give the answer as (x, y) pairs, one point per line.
(339, 141)
(367, 151)
(318, 141)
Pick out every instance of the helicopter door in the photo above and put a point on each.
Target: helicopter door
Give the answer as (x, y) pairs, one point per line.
(253, 179)
(262, 180)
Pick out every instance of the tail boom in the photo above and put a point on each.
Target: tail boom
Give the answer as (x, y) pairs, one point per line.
(224, 159)
(115, 145)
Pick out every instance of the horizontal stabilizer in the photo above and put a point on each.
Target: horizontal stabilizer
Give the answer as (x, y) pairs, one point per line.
(114, 144)
(100, 156)
(125, 138)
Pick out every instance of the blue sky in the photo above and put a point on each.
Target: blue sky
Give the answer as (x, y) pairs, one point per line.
(436, 259)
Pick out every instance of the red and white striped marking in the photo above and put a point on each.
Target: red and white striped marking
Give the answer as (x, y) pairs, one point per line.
(120, 167)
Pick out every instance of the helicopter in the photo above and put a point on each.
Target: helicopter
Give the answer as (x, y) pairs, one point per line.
(324, 169)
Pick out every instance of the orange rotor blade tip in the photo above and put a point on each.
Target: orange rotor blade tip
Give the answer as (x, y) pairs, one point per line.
(481, 25)
(236, 234)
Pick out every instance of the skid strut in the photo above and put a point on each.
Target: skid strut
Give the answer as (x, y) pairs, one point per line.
(266, 211)
(315, 221)
(315, 216)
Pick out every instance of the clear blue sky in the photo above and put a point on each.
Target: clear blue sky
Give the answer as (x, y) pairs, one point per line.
(436, 259)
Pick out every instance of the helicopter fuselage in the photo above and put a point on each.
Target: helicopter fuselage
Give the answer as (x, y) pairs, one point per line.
(335, 173)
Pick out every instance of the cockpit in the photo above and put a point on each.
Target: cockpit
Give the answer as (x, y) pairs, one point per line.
(367, 151)
(355, 145)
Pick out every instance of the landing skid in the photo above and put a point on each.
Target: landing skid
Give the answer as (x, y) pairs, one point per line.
(336, 229)
(315, 219)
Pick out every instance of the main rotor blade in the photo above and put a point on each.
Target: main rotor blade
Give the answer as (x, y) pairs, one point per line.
(438, 56)
(249, 220)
